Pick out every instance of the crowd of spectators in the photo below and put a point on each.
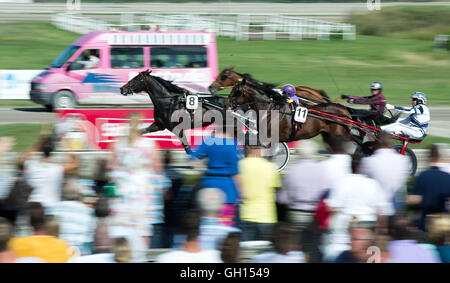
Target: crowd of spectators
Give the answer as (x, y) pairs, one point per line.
(345, 208)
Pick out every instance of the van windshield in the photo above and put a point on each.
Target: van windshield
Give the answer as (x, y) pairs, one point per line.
(62, 58)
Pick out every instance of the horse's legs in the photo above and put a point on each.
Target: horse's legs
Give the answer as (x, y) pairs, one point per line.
(183, 139)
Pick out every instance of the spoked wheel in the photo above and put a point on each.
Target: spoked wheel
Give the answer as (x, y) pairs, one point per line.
(278, 154)
(411, 156)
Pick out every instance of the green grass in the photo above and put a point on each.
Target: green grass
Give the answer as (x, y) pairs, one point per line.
(31, 45)
(403, 66)
(336, 66)
(16, 103)
(25, 134)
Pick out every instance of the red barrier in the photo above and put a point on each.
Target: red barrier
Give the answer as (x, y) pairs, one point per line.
(82, 129)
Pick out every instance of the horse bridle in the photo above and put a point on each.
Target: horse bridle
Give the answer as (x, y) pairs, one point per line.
(145, 82)
(234, 103)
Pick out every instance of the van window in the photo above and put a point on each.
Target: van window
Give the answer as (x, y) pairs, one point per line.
(127, 57)
(178, 57)
(62, 58)
(88, 59)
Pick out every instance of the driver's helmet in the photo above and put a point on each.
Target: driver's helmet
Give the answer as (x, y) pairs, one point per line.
(288, 89)
(376, 85)
(420, 96)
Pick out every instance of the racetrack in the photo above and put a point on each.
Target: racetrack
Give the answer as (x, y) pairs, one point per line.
(439, 125)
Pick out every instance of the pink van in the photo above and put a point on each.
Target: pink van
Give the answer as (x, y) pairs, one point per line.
(94, 67)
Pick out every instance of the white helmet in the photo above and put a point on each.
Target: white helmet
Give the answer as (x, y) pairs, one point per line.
(376, 85)
(420, 96)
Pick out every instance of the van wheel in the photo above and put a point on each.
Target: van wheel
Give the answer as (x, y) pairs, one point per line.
(49, 107)
(63, 100)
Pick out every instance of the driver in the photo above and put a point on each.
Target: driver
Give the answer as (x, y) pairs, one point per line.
(416, 124)
(92, 60)
(289, 92)
(377, 102)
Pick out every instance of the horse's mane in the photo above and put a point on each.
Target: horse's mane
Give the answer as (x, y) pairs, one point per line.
(169, 85)
(265, 88)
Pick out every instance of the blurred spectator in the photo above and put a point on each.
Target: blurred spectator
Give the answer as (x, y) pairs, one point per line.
(101, 176)
(222, 172)
(122, 251)
(444, 152)
(381, 242)
(390, 169)
(51, 226)
(304, 184)
(283, 243)
(191, 252)
(6, 232)
(355, 196)
(15, 203)
(439, 230)
(259, 180)
(403, 249)
(45, 176)
(361, 237)
(6, 178)
(102, 240)
(432, 189)
(171, 200)
(212, 233)
(230, 249)
(338, 165)
(41, 245)
(76, 220)
(160, 184)
(133, 161)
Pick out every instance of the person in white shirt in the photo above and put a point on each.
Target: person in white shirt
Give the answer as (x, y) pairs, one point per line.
(92, 61)
(416, 124)
(191, 252)
(355, 196)
(390, 169)
(339, 163)
(45, 176)
(76, 220)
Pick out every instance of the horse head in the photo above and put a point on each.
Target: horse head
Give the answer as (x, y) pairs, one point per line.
(136, 84)
(248, 92)
(226, 79)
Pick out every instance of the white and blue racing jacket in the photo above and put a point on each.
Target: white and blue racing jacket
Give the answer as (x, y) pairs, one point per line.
(419, 116)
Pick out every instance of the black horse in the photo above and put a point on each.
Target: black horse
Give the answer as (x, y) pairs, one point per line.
(168, 99)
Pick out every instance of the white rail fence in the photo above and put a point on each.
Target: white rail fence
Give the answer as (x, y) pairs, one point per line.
(242, 26)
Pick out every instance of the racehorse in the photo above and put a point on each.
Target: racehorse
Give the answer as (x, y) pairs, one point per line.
(228, 78)
(263, 97)
(168, 98)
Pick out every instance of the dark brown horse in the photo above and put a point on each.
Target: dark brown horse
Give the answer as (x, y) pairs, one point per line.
(263, 97)
(228, 78)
